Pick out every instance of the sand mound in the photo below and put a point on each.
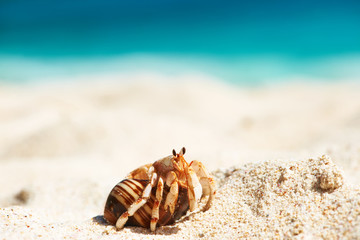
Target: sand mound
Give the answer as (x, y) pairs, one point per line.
(283, 199)
(272, 199)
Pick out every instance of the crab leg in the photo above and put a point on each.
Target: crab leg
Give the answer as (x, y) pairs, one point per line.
(155, 210)
(171, 198)
(206, 181)
(138, 203)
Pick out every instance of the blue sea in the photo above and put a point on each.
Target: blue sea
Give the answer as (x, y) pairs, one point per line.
(242, 42)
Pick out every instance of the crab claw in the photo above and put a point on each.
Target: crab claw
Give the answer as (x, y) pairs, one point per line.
(194, 189)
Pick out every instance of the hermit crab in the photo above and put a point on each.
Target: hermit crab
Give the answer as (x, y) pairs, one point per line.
(160, 193)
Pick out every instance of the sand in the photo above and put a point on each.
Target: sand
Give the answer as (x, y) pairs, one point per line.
(286, 158)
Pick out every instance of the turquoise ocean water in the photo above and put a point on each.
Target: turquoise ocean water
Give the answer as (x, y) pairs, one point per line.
(237, 41)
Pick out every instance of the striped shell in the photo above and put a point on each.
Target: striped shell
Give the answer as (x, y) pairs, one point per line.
(128, 191)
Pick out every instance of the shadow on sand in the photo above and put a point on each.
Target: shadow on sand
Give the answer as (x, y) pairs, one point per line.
(163, 230)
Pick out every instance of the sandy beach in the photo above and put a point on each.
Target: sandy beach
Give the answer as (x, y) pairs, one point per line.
(286, 158)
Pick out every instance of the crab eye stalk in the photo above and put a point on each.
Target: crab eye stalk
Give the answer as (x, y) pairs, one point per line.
(174, 152)
(182, 151)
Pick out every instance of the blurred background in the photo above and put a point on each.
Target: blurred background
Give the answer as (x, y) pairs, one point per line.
(246, 42)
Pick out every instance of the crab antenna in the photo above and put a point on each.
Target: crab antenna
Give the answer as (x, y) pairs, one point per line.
(182, 151)
(174, 152)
